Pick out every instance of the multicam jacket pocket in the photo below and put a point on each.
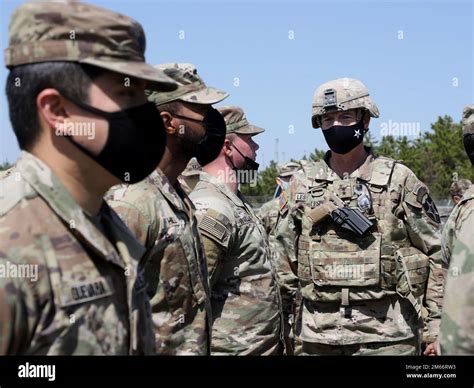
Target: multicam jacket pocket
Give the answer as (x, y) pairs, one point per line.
(335, 261)
(412, 271)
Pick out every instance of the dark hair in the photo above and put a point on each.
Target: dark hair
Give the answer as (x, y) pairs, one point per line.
(171, 107)
(25, 82)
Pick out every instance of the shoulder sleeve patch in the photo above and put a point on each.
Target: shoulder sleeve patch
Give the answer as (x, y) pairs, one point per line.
(213, 227)
(431, 209)
(419, 197)
(216, 226)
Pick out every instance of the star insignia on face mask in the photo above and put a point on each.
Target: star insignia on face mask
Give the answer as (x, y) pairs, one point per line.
(357, 133)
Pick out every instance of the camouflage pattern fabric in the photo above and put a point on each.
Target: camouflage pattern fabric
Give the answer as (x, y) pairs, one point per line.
(191, 89)
(190, 176)
(468, 119)
(459, 187)
(236, 121)
(457, 323)
(457, 328)
(162, 218)
(44, 31)
(268, 213)
(349, 285)
(452, 226)
(341, 94)
(66, 289)
(409, 347)
(246, 304)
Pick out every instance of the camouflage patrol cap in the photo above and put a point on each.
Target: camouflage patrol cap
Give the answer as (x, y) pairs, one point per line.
(340, 95)
(191, 86)
(468, 120)
(459, 187)
(236, 122)
(288, 169)
(71, 31)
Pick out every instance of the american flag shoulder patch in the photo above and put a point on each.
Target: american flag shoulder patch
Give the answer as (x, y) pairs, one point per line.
(212, 227)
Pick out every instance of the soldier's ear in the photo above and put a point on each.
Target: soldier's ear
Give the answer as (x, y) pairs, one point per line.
(366, 119)
(168, 122)
(226, 148)
(51, 108)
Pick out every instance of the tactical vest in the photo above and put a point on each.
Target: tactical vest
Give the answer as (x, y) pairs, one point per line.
(335, 265)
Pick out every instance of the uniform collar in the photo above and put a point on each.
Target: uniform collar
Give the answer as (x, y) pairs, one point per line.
(174, 194)
(222, 187)
(364, 172)
(49, 187)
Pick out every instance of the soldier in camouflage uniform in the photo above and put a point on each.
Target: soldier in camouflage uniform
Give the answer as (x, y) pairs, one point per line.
(160, 214)
(458, 190)
(246, 304)
(268, 212)
(190, 176)
(71, 279)
(457, 329)
(361, 294)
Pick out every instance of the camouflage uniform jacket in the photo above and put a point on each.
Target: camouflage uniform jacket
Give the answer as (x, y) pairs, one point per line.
(162, 218)
(349, 284)
(452, 226)
(89, 295)
(285, 277)
(268, 213)
(246, 304)
(457, 323)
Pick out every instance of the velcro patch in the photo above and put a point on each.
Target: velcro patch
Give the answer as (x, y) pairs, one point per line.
(243, 219)
(300, 197)
(213, 227)
(85, 291)
(421, 194)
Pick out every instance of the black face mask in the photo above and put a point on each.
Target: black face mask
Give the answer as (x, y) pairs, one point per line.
(207, 149)
(135, 143)
(468, 140)
(342, 139)
(248, 172)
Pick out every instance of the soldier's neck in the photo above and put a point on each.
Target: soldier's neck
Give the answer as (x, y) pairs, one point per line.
(220, 170)
(345, 164)
(86, 181)
(172, 165)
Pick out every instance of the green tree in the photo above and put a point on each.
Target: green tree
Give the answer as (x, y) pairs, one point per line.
(445, 149)
(388, 147)
(265, 185)
(317, 154)
(5, 166)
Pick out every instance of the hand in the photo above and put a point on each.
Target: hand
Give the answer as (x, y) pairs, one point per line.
(431, 349)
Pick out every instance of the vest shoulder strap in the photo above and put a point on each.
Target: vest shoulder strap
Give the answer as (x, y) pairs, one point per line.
(382, 168)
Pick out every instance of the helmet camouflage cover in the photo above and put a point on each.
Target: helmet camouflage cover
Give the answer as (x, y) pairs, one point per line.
(340, 95)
